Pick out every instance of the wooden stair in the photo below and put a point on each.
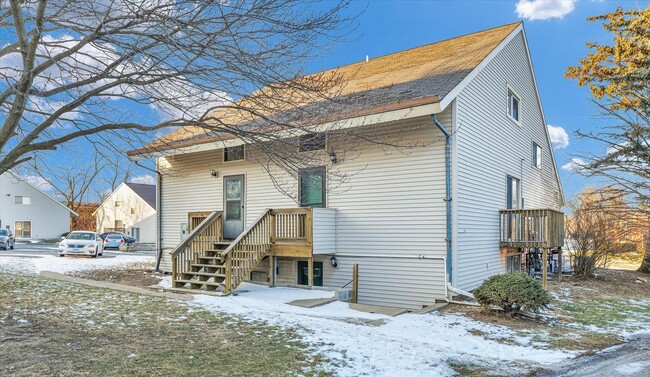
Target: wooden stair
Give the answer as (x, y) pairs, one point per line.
(204, 261)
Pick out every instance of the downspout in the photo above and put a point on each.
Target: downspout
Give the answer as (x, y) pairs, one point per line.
(447, 193)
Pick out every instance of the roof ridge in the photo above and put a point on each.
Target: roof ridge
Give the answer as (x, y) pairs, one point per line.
(416, 47)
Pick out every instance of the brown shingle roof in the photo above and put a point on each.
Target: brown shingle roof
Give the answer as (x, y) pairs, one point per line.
(404, 79)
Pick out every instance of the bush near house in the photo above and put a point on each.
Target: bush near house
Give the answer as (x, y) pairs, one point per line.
(512, 292)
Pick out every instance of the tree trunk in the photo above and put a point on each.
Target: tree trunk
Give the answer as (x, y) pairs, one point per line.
(645, 265)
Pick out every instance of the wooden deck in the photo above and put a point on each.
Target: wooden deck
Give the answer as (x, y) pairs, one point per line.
(531, 228)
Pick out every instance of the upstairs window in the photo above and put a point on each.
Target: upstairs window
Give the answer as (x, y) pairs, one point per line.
(312, 187)
(133, 211)
(537, 156)
(513, 105)
(312, 142)
(234, 153)
(24, 200)
(118, 203)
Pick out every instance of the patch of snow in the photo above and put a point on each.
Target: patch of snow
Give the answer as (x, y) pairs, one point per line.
(16, 264)
(632, 368)
(409, 344)
(166, 281)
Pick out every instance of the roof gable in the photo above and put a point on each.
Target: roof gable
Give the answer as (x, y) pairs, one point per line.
(21, 179)
(144, 191)
(426, 72)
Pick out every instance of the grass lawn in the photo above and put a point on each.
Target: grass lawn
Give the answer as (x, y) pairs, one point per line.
(586, 315)
(55, 328)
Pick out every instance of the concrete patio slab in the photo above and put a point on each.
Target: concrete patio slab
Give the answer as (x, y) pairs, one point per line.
(375, 309)
(312, 303)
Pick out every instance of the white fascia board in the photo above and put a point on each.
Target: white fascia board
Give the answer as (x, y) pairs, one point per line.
(366, 120)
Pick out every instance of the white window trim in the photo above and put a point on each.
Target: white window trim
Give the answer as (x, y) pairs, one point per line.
(223, 154)
(514, 92)
(541, 159)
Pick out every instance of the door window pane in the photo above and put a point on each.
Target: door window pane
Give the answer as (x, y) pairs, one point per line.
(233, 210)
(233, 189)
(312, 188)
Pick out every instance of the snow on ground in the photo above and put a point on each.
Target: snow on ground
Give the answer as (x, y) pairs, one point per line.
(406, 345)
(35, 264)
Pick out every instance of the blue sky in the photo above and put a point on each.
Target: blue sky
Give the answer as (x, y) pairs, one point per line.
(556, 29)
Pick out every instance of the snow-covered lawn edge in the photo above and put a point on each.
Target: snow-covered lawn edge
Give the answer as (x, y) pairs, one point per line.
(35, 265)
(409, 344)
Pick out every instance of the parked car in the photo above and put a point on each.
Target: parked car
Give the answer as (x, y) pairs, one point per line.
(81, 243)
(114, 240)
(7, 240)
(127, 239)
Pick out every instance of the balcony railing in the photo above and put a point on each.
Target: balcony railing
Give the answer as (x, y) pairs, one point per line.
(527, 228)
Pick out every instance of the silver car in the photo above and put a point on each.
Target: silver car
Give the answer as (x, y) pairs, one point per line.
(81, 243)
(7, 240)
(114, 240)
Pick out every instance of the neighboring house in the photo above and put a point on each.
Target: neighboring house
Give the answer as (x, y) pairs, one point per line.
(130, 209)
(29, 212)
(407, 229)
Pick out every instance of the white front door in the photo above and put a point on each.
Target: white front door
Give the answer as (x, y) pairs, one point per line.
(233, 206)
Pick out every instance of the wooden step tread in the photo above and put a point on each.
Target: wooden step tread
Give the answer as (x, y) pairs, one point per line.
(222, 243)
(209, 274)
(208, 265)
(210, 258)
(198, 282)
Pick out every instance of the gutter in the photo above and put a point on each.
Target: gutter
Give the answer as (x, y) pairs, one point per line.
(447, 193)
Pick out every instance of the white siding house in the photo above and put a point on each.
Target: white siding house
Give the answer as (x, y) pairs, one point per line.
(390, 216)
(130, 209)
(30, 213)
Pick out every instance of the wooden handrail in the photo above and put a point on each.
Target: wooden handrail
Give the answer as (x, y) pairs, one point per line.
(190, 237)
(188, 250)
(531, 228)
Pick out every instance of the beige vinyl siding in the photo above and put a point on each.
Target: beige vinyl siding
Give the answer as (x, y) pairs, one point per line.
(391, 206)
(490, 146)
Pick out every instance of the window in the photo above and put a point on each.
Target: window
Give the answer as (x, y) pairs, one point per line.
(312, 142)
(512, 193)
(513, 105)
(233, 153)
(513, 263)
(118, 203)
(312, 187)
(133, 211)
(24, 200)
(537, 156)
(23, 229)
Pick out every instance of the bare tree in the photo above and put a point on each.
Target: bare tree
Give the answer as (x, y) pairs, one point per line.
(72, 70)
(601, 228)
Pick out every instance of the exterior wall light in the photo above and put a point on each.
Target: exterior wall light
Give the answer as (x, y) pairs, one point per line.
(214, 173)
(334, 262)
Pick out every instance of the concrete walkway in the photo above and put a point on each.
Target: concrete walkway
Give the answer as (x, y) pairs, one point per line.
(117, 287)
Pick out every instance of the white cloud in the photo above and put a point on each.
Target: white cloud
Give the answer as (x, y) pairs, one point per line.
(559, 137)
(574, 165)
(39, 182)
(544, 9)
(145, 178)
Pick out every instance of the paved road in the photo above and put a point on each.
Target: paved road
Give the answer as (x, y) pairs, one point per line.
(39, 249)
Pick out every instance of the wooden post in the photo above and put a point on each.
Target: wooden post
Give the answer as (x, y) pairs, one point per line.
(271, 271)
(559, 264)
(228, 274)
(544, 268)
(310, 273)
(174, 272)
(355, 283)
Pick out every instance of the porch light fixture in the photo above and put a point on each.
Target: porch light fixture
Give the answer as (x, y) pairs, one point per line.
(334, 262)
(332, 156)
(214, 173)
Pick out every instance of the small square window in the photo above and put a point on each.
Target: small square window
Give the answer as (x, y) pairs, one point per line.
(312, 142)
(24, 200)
(133, 211)
(233, 153)
(513, 105)
(118, 203)
(537, 156)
